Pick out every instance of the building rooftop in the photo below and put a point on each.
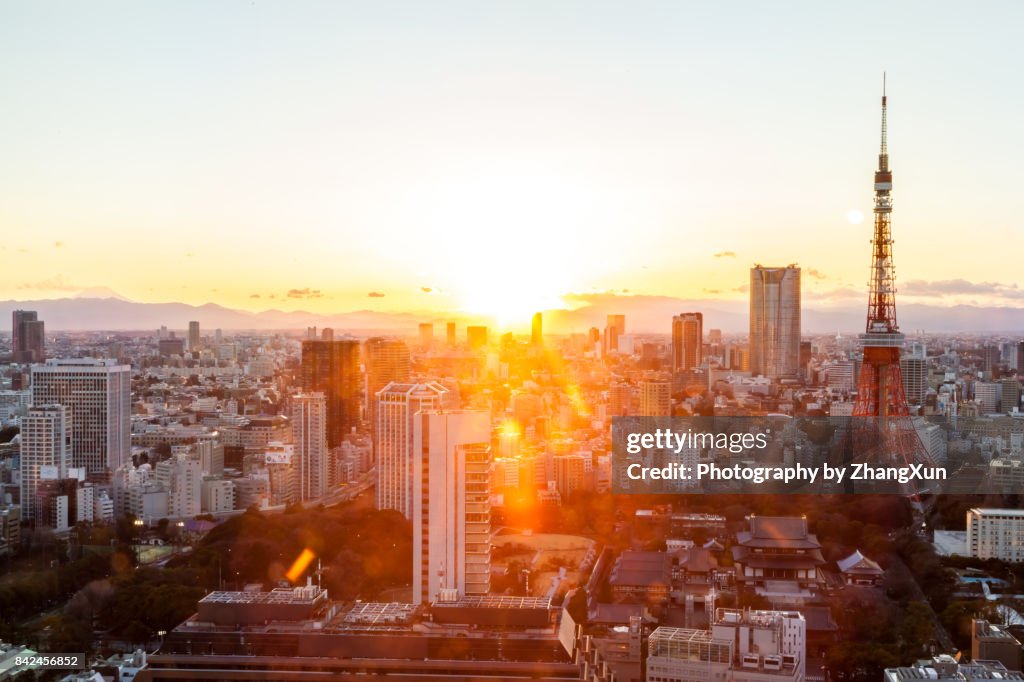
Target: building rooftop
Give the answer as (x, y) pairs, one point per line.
(279, 595)
(995, 511)
(858, 563)
(495, 601)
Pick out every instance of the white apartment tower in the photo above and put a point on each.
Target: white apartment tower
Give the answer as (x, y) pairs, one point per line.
(99, 395)
(309, 430)
(45, 449)
(397, 406)
(451, 504)
(996, 534)
(181, 477)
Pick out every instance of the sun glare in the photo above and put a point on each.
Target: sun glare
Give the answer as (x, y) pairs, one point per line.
(509, 242)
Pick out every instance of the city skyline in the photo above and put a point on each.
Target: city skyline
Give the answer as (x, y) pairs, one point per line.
(572, 160)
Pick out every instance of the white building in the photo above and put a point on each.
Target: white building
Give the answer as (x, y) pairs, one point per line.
(988, 393)
(99, 395)
(45, 442)
(309, 429)
(742, 646)
(451, 504)
(655, 399)
(996, 534)
(181, 477)
(102, 507)
(218, 495)
(397, 405)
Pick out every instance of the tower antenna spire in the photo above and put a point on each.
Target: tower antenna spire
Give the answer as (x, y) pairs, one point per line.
(884, 153)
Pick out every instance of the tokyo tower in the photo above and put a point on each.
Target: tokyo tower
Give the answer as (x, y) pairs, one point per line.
(880, 386)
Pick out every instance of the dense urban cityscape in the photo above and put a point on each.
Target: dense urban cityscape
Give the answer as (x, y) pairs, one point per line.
(206, 504)
(598, 409)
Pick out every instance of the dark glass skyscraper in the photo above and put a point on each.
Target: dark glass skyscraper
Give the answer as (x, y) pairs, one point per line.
(687, 341)
(28, 337)
(332, 367)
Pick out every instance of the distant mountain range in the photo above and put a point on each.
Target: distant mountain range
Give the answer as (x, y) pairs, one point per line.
(644, 314)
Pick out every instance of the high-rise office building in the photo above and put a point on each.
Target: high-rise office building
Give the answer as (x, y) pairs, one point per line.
(450, 328)
(1009, 400)
(397, 406)
(655, 399)
(332, 368)
(387, 360)
(915, 378)
(687, 341)
(615, 326)
(426, 333)
(988, 394)
(193, 336)
(775, 321)
(45, 449)
(28, 337)
(476, 336)
(451, 504)
(537, 331)
(99, 395)
(309, 431)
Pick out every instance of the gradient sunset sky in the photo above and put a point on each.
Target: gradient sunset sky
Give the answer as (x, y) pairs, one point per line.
(459, 157)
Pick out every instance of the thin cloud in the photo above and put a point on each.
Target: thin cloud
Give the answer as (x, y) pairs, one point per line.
(375, 294)
(427, 290)
(56, 283)
(725, 254)
(960, 287)
(254, 295)
(58, 244)
(816, 274)
(304, 293)
(842, 293)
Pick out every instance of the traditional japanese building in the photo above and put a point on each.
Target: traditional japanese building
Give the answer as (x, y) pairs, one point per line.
(778, 558)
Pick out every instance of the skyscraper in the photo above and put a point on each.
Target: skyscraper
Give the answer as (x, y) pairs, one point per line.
(615, 326)
(537, 331)
(915, 378)
(452, 341)
(28, 337)
(476, 336)
(397, 405)
(309, 431)
(332, 368)
(387, 360)
(426, 333)
(45, 449)
(775, 321)
(193, 336)
(451, 504)
(687, 341)
(99, 395)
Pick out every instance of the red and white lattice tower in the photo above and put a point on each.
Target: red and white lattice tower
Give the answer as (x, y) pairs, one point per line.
(880, 387)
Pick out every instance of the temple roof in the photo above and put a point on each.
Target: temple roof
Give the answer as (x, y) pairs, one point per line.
(778, 532)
